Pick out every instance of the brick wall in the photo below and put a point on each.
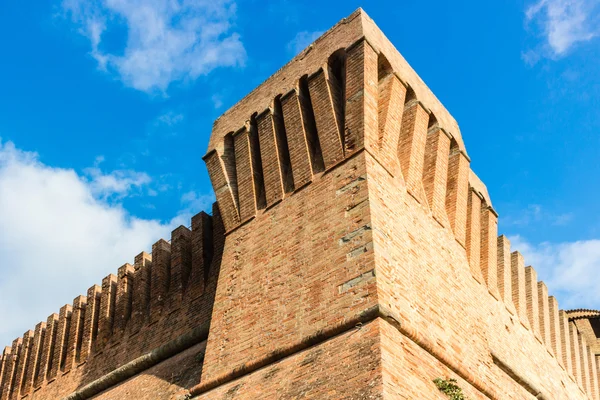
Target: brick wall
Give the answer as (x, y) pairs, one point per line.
(428, 231)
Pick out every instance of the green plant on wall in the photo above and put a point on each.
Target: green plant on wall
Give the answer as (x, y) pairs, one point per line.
(449, 388)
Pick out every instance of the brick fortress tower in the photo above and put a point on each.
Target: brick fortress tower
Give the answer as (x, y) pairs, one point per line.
(352, 254)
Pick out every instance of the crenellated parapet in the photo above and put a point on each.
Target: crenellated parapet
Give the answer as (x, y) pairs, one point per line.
(341, 95)
(169, 290)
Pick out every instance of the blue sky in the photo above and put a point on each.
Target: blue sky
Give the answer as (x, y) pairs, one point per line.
(106, 108)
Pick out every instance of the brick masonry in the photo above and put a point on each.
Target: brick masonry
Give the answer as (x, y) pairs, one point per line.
(352, 254)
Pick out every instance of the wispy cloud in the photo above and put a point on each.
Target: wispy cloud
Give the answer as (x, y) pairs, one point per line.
(169, 118)
(217, 101)
(167, 40)
(167, 125)
(568, 268)
(301, 41)
(115, 184)
(64, 235)
(197, 201)
(536, 214)
(561, 24)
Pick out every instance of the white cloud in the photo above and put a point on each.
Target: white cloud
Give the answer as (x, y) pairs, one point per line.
(569, 269)
(169, 118)
(197, 201)
(217, 101)
(167, 40)
(115, 184)
(302, 40)
(530, 57)
(562, 24)
(59, 235)
(534, 213)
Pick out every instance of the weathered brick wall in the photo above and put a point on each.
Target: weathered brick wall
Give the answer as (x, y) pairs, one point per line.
(301, 261)
(453, 295)
(170, 379)
(347, 366)
(428, 228)
(280, 286)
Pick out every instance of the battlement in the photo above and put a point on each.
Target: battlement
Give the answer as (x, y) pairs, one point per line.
(349, 223)
(296, 125)
(162, 296)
